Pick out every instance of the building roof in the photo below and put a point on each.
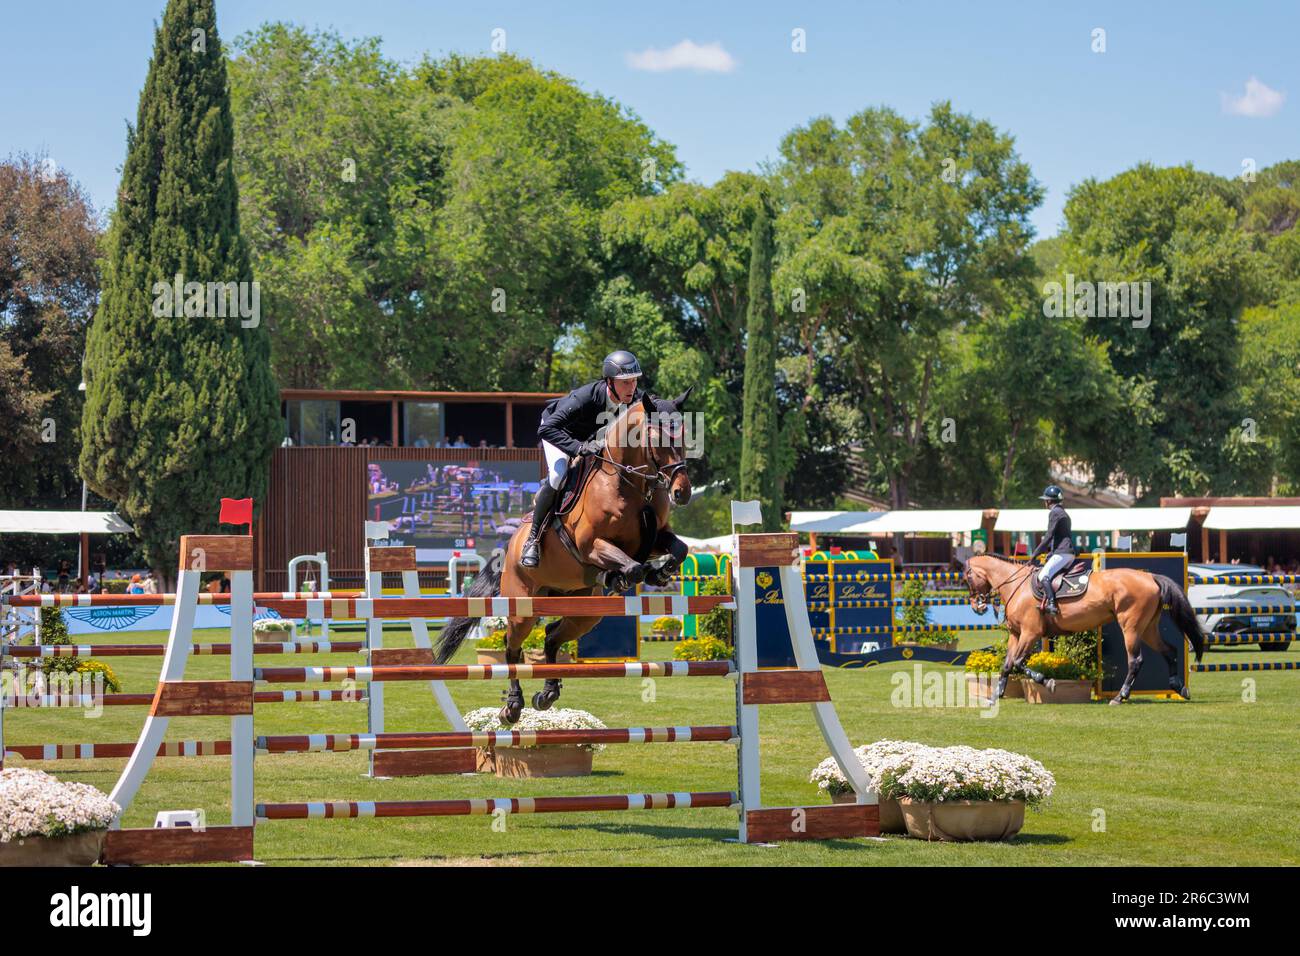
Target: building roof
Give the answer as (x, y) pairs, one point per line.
(887, 522)
(62, 522)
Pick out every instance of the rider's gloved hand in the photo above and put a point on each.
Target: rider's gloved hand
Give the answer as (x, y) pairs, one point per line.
(591, 447)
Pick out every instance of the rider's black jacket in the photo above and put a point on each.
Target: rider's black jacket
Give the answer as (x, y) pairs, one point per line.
(569, 421)
(1057, 540)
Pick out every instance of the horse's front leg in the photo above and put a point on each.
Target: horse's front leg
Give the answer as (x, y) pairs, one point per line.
(1022, 654)
(621, 570)
(674, 550)
(514, 699)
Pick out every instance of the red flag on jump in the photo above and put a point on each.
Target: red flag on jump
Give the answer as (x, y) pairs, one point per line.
(237, 511)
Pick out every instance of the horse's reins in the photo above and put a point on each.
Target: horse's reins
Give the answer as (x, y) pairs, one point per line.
(659, 478)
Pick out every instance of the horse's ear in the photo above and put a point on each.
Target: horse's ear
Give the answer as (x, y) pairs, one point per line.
(680, 400)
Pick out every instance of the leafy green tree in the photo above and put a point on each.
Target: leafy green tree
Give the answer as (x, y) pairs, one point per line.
(1266, 448)
(896, 234)
(179, 411)
(48, 286)
(760, 461)
(1175, 229)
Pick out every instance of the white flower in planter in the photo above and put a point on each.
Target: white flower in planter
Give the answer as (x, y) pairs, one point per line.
(486, 719)
(904, 769)
(32, 803)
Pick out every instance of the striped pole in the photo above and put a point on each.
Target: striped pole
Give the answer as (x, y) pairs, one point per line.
(144, 700)
(156, 650)
(1263, 637)
(1250, 666)
(1244, 608)
(178, 748)
(459, 808)
(317, 743)
(301, 675)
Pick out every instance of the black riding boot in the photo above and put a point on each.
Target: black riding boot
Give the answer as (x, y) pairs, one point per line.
(1049, 602)
(543, 505)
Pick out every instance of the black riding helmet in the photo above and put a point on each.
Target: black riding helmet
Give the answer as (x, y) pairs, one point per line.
(621, 364)
(1051, 493)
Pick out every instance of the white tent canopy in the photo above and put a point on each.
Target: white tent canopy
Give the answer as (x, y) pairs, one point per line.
(62, 522)
(1098, 519)
(887, 522)
(1268, 518)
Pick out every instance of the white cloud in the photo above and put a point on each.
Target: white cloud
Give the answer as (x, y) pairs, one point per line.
(1258, 100)
(687, 55)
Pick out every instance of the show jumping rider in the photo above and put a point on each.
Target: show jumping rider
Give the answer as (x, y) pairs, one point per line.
(1057, 544)
(568, 428)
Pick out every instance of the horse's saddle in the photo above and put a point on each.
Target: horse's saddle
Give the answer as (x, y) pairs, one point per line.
(575, 479)
(1071, 583)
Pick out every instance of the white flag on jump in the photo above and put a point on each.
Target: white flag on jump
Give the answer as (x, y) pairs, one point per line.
(746, 512)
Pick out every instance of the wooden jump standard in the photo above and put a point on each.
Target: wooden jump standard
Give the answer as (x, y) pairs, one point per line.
(234, 699)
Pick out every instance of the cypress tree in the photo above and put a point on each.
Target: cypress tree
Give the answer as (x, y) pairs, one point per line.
(181, 408)
(759, 457)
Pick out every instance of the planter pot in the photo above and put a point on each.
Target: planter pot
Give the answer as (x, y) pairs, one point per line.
(891, 814)
(982, 690)
(963, 820)
(1066, 692)
(524, 762)
(530, 657)
(947, 646)
(81, 849)
(275, 637)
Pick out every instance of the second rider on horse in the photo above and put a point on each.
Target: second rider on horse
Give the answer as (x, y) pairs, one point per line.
(570, 427)
(1057, 544)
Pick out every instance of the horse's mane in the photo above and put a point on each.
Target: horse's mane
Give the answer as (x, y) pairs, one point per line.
(1005, 558)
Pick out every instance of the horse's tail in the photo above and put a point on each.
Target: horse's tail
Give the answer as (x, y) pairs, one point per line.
(487, 583)
(1180, 609)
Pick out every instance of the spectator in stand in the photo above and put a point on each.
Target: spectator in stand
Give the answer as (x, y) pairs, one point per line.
(136, 586)
(482, 443)
(460, 442)
(150, 584)
(65, 572)
(422, 442)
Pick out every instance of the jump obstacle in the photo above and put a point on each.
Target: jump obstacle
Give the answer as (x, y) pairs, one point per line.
(379, 560)
(765, 555)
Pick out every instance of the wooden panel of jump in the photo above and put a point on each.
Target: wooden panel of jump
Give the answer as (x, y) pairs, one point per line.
(178, 748)
(459, 808)
(157, 650)
(767, 550)
(177, 845)
(423, 763)
(299, 675)
(838, 821)
(216, 552)
(401, 656)
(203, 698)
(317, 743)
(784, 687)
(392, 558)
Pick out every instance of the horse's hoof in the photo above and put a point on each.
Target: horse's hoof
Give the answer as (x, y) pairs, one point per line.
(542, 702)
(1185, 693)
(511, 712)
(1051, 685)
(1116, 701)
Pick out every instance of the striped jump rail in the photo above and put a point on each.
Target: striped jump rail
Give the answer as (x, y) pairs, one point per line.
(905, 628)
(865, 577)
(1247, 666)
(459, 808)
(321, 743)
(179, 748)
(359, 608)
(157, 650)
(165, 600)
(885, 603)
(144, 700)
(1264, 637)
(1246, 579)
(302, 675)
(1244, 608)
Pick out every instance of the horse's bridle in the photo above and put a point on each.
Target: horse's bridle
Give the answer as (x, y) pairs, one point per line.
(986, 596)
(660, 477)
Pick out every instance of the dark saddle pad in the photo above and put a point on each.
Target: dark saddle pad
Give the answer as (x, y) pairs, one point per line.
(1068, 584)
(574, 481)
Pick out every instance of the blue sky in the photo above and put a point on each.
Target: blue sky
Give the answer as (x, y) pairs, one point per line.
(72, 72)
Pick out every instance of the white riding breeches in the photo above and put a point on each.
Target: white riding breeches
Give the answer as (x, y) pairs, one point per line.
(1053, 564)
(557, 465)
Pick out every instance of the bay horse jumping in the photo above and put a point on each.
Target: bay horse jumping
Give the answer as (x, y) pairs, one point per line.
(1130, 597)
(604, 541)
